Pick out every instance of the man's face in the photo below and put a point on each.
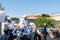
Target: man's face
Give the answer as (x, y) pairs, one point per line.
(25, 18)
(34, 29)
(9, 20)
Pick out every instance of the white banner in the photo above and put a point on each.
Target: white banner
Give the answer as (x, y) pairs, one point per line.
(2, 16)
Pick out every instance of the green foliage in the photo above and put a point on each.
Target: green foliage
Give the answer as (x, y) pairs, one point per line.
(16, 19)
(1, 8)
(6, 17)
(57, 25)
(40, 20)
(45, 15)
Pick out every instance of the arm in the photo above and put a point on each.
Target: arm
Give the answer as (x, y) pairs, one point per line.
(39, 33)
(15, 29)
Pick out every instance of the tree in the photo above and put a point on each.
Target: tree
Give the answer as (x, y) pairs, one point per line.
(1, 8)
(45, 15)
(6, 17)
(15, 19)
(40, 20)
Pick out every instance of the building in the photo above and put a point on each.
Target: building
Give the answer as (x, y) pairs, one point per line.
(56, 17)
(32, 17)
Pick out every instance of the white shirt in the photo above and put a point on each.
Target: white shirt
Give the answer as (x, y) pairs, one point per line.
(26, 23)
(9, 25)
(23, 23)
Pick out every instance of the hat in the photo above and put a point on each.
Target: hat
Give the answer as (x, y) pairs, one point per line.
(15, 24)
(8, 18)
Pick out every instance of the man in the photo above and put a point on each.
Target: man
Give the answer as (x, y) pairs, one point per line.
(45, 31)
(22, 24)
(51, 36)
(26, 22)
(9, 23)
(5, 36)
(56, 32)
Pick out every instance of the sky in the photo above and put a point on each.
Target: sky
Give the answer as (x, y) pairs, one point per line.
(18, 8)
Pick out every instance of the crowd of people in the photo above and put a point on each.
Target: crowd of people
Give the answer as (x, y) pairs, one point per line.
(51, 34)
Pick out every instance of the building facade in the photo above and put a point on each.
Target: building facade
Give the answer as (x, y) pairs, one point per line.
(32, 17)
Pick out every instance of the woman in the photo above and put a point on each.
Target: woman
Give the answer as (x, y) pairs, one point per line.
(34, 34)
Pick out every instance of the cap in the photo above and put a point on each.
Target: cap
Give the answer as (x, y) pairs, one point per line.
(15, 24)
(8, 18)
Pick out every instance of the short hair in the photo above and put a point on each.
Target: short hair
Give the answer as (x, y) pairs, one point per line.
(54, 27)
(6, 30)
